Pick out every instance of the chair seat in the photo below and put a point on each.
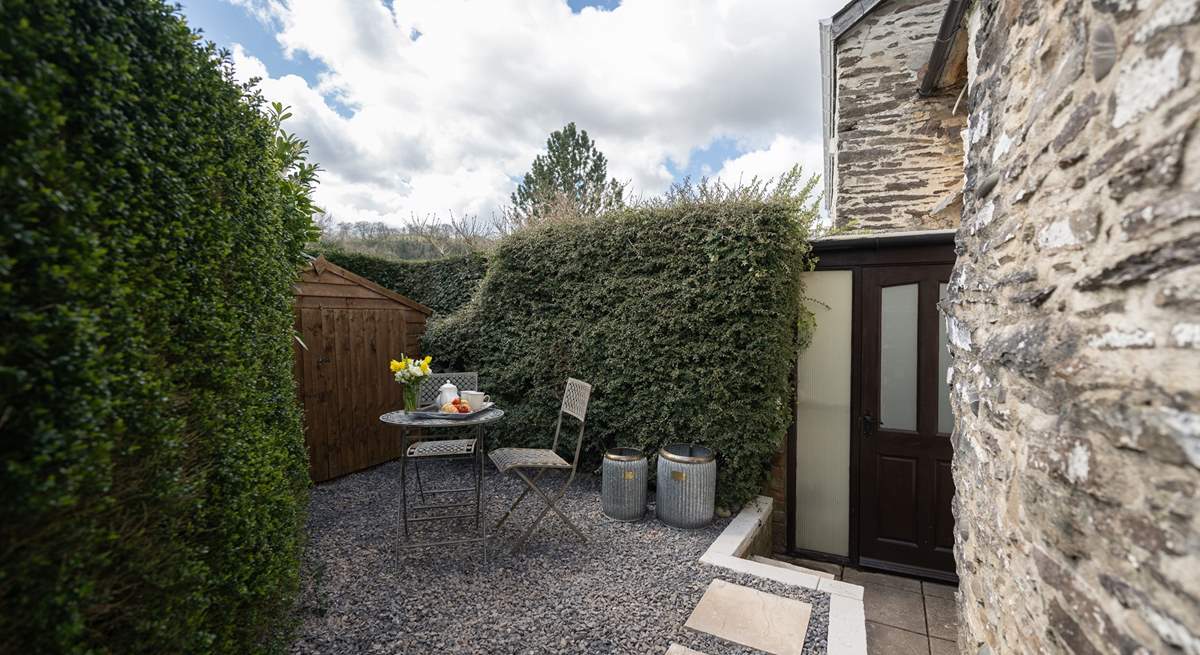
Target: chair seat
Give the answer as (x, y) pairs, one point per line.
(532, 458)
(442, 448)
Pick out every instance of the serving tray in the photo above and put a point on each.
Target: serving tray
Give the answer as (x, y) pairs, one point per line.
(432, 412)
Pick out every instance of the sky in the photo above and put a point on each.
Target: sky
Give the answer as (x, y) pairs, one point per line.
(439, 106)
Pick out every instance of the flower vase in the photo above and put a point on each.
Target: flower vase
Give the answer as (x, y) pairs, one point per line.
(410, 398)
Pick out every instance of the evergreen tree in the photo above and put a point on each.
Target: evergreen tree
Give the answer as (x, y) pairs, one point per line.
(571, 175)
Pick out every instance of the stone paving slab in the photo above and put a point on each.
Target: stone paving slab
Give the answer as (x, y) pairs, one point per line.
(883, 579)
(788, 565)
(889, 640)
(752, 618)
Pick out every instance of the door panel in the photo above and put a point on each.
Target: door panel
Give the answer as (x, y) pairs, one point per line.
(943, 531)
(898, 357)
(898, 485)
(905, 486)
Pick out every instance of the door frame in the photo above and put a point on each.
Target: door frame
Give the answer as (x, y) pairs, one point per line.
(855, 253)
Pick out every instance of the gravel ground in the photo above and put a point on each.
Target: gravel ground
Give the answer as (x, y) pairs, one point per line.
(628, 590)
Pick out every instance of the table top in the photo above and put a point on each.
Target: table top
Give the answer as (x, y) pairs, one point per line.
(405, 419)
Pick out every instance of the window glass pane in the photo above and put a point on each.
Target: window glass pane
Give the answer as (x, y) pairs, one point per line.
(898, 358)
(945, 418)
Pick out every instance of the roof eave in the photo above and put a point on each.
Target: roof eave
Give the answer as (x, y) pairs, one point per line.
(943, 46)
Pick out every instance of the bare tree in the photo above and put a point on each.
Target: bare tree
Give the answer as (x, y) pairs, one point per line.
(554, 207)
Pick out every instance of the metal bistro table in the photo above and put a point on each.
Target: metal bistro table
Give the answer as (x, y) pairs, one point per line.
(441, 449)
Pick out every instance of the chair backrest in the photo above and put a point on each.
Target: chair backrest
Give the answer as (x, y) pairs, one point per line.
(574, 403)
(575, 398)
(465, 381)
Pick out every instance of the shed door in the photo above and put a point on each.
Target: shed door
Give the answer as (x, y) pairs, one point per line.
(346, 385)
(905, 483)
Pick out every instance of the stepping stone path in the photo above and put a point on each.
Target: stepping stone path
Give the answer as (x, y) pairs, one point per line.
(751, 618)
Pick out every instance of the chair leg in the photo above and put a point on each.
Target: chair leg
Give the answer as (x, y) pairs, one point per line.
(420, 487)
(517, 501)
(551, 504)
(404, 495)
(478, 471)
(478, 476)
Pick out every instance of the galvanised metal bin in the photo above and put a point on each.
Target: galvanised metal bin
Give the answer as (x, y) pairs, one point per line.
(687, 485)
(623, 484)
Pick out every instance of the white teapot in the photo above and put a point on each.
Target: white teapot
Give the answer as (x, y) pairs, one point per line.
(446, 393)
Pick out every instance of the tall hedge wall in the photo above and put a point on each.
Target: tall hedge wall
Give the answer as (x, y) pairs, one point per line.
(684, 318)
(443, 285)
(154, 471)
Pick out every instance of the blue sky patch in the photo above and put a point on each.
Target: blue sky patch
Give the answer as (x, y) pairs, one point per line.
(603, 5)
(706, 161)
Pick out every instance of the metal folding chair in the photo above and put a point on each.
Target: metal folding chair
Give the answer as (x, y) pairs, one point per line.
(427, 395)
(443, 446)
(523, 461)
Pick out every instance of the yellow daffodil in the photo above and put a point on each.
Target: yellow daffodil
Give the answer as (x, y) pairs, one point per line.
(395, 366)
(425, 368)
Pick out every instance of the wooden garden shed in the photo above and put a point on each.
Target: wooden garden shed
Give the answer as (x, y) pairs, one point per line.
(349, 329)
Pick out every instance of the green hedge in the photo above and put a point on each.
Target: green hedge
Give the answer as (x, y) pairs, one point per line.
(154, 472)
(444, 285)
(685, 318)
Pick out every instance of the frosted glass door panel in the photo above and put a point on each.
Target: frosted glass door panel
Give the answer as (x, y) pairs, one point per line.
(945, 417)
(822, 513)
(898, 358)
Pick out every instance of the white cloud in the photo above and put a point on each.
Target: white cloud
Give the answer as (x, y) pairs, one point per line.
(778, 157)
(446, 122)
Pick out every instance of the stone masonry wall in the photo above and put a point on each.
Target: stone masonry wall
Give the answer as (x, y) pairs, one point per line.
(776, 488)
(899, 156)
(1075, 327)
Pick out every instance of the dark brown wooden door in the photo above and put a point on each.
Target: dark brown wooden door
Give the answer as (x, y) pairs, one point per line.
(905, 484)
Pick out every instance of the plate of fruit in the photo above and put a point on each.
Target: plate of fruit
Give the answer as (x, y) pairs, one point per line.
(456, 409)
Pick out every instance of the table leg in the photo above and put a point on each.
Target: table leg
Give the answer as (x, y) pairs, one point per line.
(403, 480)
(479, 447)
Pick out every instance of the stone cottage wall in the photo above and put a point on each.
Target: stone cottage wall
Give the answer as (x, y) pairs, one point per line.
(1075, 324)
(899, 156)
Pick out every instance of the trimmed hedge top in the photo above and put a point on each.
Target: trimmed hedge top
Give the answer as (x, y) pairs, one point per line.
(684, 317)
(443, 285)
(154, 472)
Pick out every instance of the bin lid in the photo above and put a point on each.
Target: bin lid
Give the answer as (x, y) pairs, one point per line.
(687, 453)
(624, 454)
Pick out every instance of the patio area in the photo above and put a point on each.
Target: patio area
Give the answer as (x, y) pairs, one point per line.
(629, 589)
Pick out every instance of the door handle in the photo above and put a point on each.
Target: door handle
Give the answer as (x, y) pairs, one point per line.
(868, 425)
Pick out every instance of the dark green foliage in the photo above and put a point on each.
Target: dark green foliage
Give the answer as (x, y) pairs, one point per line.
(685, 318)
(441, 284)
(573, 172)
(154, 470)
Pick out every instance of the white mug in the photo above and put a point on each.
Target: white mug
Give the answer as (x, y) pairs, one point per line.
(474, 399)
